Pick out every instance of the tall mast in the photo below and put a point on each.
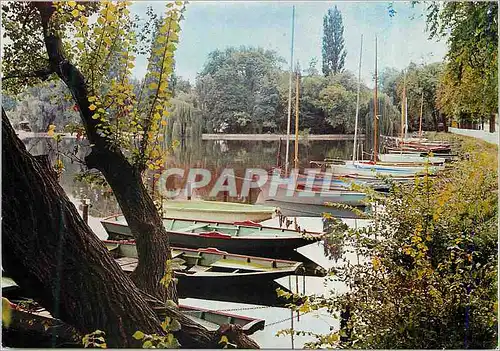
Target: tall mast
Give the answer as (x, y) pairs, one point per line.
(421, 111)
(375, 111)
(289, 95)
(296, 163)
(354, 151)
(406, 117)
(403, 103)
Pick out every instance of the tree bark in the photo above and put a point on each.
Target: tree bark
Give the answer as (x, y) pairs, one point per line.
(492, 122)
(125, 180)
(48, 250)
(54, 256)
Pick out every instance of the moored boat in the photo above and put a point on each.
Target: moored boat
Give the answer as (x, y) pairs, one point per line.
(217, 210)
(405, 158)
(210, 267)
(314, 195)
(213, 320)
(367, 168)
(238, 237)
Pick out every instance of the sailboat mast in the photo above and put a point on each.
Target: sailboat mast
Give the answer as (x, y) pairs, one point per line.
(375, 111)
(289, 96)
(296, 163)
(355, 149)
(421, 111)
(403, 100)
(406, 117)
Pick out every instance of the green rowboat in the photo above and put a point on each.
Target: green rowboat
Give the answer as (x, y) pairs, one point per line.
(217, 210)
(247, 238)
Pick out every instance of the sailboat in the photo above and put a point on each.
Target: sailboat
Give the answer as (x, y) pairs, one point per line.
(324, 188)
(375, 167)
(408, 150)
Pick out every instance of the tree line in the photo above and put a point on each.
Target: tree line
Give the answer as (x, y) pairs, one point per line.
(245, 89)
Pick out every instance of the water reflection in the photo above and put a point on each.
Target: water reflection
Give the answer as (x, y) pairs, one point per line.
(214, 155)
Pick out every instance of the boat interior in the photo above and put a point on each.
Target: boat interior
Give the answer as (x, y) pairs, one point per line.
(203, 261)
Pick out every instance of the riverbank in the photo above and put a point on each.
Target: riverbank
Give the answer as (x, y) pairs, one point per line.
(270, 137)
(491, 138)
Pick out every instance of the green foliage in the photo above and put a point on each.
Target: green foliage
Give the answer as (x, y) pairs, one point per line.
(237, 89)
(426, 277)
(129, 114)
(333, 49)
(421, 79)
(42, 105)
(156, 341)
(224, 342)
(95, 340)
(169, 276)
(6, 312)
(468, 89)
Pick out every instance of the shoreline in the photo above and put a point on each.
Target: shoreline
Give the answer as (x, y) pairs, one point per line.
(271, 137)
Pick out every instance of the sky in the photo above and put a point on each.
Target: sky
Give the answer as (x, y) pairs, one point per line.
(211, 25)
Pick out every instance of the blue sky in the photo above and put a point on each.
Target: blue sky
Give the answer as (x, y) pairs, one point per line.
(210, 25)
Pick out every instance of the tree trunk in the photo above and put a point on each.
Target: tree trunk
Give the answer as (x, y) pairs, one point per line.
(492, 123)
(125, 180)
(48, 250)
(54, 256)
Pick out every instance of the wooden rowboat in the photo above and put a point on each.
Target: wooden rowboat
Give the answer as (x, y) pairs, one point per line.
(207, 268)
(217, 210)
(237, 237)
(311, 196)
(367, 168)
(213, 320)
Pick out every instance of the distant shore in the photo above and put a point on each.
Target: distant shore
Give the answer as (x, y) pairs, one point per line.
(280, 136)
(265, 137)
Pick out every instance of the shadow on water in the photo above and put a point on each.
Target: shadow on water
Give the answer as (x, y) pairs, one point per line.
(260, 294)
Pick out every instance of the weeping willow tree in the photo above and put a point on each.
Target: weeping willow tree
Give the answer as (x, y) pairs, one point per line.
(185, 122)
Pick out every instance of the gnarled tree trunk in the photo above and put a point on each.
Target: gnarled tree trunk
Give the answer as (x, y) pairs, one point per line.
(54, 256)
(48, 250)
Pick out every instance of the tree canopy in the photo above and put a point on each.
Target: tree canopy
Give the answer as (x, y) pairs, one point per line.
(333, 42)
(237, 89)
(468, 89)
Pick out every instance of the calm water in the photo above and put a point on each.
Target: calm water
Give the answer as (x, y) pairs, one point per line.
(207, 154)
(215, 156)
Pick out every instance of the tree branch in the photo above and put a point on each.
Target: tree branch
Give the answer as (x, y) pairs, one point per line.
(43, 73)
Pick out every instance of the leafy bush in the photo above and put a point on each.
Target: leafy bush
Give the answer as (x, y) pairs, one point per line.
(428, 277)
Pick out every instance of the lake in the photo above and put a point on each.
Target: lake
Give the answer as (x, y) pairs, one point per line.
(215, 156)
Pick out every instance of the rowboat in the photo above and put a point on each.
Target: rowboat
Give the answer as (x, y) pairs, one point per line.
(238, 237)
(367, 168)
(405, 158)
(213, 320)
(441, 154)
(326, 180)
(217, 210)
(314, 195)
(210, 267)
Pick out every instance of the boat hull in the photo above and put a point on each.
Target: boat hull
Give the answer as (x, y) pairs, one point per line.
(410, 158)
(215, 268)
(273, 247)
(299, 196)
(217, 211)
(368, 169)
